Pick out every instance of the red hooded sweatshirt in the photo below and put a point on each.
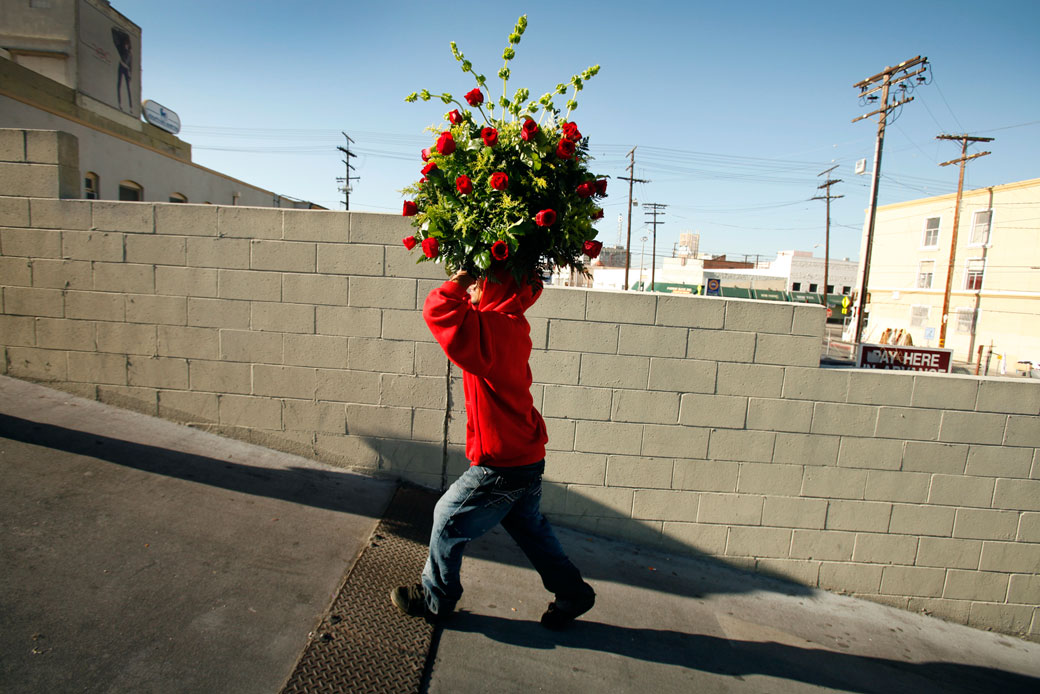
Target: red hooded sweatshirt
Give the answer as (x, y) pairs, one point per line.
(491, 343)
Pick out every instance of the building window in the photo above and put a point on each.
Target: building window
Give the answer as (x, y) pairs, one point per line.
(846, 290)
(918, 316)
(130, 191)
(830, 288)
(178, 197)
(925, 272)
(973, 274)
(796, 287)
(812, 287)
(980, 225)
(91, 185)
(931, 233)
(965, 320)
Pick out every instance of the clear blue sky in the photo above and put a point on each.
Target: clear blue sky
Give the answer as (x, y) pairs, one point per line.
(734, 107)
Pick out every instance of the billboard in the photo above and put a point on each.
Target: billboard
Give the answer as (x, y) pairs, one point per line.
(903, 358)
(109, 58)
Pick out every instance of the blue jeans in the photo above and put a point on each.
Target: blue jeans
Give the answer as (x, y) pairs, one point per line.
(479, 500)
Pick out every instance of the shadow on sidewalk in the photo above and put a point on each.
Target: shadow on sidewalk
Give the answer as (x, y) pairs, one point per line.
(814, 666)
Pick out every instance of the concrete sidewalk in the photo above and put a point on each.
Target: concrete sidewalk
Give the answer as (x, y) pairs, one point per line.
(137, 555)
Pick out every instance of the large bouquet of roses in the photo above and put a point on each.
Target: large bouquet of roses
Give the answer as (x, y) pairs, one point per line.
(511, 192)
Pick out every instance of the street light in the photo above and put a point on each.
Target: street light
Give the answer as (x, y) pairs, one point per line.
(642, 251)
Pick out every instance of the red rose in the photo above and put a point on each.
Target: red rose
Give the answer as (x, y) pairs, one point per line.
(463, 184)
(528, 129)
(571, 132)
(410, 209)
(601, 186)
(598, 214)
(430, 166)
(586, 190)
(545, 218)
(490, 136)
(499, 181)
(426, 154)
(445, 143)
(499, 250)
(592, 248)
(565, 150)
(409, 242)
(475, 97)
(455, 117)
(430, 247)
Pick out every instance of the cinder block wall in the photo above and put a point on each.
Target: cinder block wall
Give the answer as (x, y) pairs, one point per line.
(695, 424)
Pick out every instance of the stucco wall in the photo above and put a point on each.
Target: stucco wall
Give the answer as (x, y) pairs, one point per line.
(702, 425)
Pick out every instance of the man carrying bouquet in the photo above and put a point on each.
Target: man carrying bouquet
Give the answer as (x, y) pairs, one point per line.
(482, 329)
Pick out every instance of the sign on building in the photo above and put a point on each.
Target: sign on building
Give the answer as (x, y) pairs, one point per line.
(109, 58)
(902, 358)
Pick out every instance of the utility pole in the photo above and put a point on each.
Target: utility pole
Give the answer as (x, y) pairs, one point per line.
(630, 178)
(654, 209)
(887, 78)
(964, 139)
(345, 188)
(827, 233)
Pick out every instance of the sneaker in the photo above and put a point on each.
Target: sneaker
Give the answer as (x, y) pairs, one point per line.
(411, 600)
(562, 613)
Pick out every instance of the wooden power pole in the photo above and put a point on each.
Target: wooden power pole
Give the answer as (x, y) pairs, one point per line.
(345, 188)
(827, 230)
(654, 209)
(628, 238)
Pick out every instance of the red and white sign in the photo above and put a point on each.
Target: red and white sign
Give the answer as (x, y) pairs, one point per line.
(901, 358)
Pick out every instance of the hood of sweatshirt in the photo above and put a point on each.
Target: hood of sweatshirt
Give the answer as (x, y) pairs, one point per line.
(504, 295)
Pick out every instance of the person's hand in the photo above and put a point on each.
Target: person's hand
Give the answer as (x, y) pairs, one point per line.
(463, 279)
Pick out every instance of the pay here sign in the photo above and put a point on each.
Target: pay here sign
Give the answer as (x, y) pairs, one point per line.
(902, 358)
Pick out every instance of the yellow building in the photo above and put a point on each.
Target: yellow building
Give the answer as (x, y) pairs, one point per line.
(995, 293)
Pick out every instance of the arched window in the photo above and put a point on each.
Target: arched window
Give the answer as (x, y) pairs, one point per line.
(129, 191)
(178, 197)
(91, 185)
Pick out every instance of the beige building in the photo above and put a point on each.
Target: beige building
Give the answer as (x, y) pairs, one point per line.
(75, 66)
(995, 293)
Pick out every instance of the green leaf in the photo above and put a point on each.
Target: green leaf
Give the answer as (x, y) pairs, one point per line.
(483, 260)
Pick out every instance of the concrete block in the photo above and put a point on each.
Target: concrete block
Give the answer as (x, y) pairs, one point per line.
(253, 285)
(945, 392)
(809, 320)
(157, 372)
(652, 341)
(185, 281)
(874, 548)
(1021, 495)
(220, 377)
(577, 468)
(194, 343)
(846, 420)
(93, 306)
(826, 545)
(957, 490)
(722, 411)
(612, 371)
(128, 278)
(985, 524)
(787, 512)
(17, 271)
(131, 217)
(164, 310)
(1029, 527)
(364, 354)
(250, 346)
(430, 360)
(599, 501)
(31, 243)
(1010, 557)
(972, 427)
(560, 303)
(946, 458)
(696, 538)
(1024, 589)
(539, 332)
(555, 367)
(949, 553)
(582, 336)
(58, 214)
(405, 325)
(789, 350)
(730, 509)
(357, 259)
(219, 253)
(347, 386)
(316, 225)
(949, 610)
(380, 421)
(721, 345)
(621, 307)
(769, 478)
(865, 516)
(608, 437)
(59, 274)
(999, 461)
(741, 445)
(352, 452)
(321, 351)
(839, 483)
(779, 415)
(413, 391)
(249, 222)
(646, 407)
(759, 316)
(1001, 395)
(18, 331)
(276, 317)
(37, 364)
(897, 486)
(14, 212)
(1022, 431)
(158, 250)
(246, 411)
(850, 578)
(428, 425)
(306, 415)
(976, 585)
(561, 434)
(577, 402)
(908, 423)
(93, 367)
(880, 387)
(705, 475)
(366, 227)
(183, 406)
(382, 292)
(30, 180)
(179, 219)
(285, 256)
(915, 519)
(12, 145)
(136, 399)
(395, 261)
(1006, 619)
(56, 333)
(691, 312)
(658, 504)
(314, 289)
(348, 322)
(805, 449)
(127, 338)
(640, 472)
(758, 542)
(749, 379)
(912, 580)
(43, 147)
(682, 375)
(672, 441)
(875, 454)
